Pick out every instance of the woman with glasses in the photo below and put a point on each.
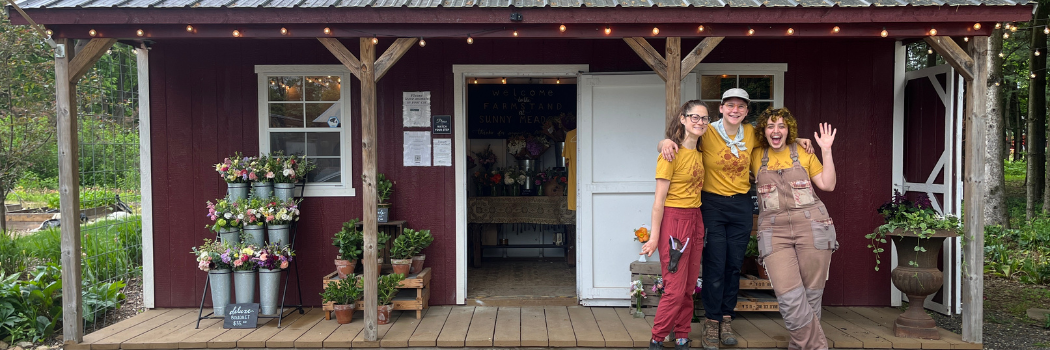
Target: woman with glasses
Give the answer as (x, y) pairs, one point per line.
(678, 226)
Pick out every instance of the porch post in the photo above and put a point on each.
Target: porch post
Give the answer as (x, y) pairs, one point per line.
(368, 181)
(672, 68)
(69, 193)
(977, 107)
(673, 78)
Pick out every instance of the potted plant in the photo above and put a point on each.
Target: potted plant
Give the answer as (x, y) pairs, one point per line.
(349, 242)
(226, 220)
(258, 168)
(384, 188)
(279, 216)
(918, 232)
(381, 239)
(244, 272)
(401, 254)
(252, 212)
(287, 171)
(421, 239)
(213, 257)
(234, 171)
(387, 289)
(343, 293)
(271, 260)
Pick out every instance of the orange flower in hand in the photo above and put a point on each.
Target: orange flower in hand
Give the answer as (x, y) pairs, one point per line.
(641, 234)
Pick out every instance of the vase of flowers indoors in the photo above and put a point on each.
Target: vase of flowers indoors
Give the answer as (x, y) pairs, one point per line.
(234, 171)
(387, 289)
(279, 217)
(349, 241)
(271, 260)
(244, 273)
(384, 188)
(213, 257)
(226, 220)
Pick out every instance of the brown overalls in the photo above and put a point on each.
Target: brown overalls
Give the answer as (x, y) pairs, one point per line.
(795, 240)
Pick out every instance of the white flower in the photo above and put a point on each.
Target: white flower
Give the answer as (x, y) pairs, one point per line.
(509, 180)
(227, 215)
(240, 216)
(521, 179)
(289, 172)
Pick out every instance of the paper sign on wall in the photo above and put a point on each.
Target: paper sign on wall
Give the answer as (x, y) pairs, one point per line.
(442, 152)
(417, 148)
(416, 109)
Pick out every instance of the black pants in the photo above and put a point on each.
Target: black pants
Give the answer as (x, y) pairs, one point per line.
(728, 221)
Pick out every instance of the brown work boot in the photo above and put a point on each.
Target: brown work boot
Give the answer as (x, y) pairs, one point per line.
(710, 340)
(728, 338)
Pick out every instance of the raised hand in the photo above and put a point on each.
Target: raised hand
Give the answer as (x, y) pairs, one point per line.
(826, 136)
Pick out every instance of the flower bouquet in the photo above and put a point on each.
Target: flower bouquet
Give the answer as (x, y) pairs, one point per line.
(224, 213)
(212, 255)
(271, 260)
(234, 170)
(527, 146)
(260, 174)
(637, 293)
(252, 211)
(273, 256)
(290, 168)
(485, 158)
(280, 212)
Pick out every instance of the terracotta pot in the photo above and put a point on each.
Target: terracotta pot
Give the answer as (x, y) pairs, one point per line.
(401, 266)
(379, 265)
(345, 267)
(344, 313)
(917, 282)
(384, 313)
(417, 263)
(762, 271)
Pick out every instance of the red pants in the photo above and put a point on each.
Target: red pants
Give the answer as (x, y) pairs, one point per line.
(675, 311)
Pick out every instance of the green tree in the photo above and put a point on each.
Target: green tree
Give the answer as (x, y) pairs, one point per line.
(26, 103)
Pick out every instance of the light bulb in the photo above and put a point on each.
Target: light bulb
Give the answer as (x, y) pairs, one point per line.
(1013, 28)
(700, 28)
(1046, 30)
(475, 80)
(1001, 55)
(561, 28)
(189, 28)
(750, 31)
(375, 40)
(504, 80)
(236, 33)
(1032, 75)
(977, 26)
(515, 33)
(139, 32)
(1005, 25)
(791, 31)
(1037, 52)
(929, 51)
(422, 43)
(327, 31)
(997, 83)
(557, 81)
(933, 31)
(1006, 35)
(966, 39)
(608, 30)
(884, 33)
(92, 33)
(998, 25)
(470, 40)
(284, 31)
(49, 32)
(835, 30)
(656, 31)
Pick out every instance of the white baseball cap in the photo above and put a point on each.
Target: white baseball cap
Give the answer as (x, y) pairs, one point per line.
(736, 92)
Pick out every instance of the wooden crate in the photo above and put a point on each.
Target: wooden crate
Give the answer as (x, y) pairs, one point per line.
(405, 299)
(755, 293)
(647, 273)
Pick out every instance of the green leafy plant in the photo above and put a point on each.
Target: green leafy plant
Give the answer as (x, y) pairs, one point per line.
(752, 247)
(387, 287)
(916, 217)
(344, 291)
(349, 240)
(420, 239)
(99, 297)
(384, 188)
(402, 248)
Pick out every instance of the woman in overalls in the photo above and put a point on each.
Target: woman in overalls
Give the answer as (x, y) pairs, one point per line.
(795, 234)
(678, 226)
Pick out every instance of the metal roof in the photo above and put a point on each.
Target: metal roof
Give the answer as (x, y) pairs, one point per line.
(39, 4)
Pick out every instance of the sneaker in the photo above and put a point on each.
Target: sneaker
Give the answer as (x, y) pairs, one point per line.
(728, 338)
(681, 346)
(656, 345)
(710, 340)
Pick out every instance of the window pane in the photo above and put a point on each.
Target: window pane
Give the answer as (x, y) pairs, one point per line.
(712, 86)
(322, 144)
(323, 115)
(327, 170)
(759, 87)
(289, 142)
(324, 88)
(286, 88)
(755, 109)
(286, 115)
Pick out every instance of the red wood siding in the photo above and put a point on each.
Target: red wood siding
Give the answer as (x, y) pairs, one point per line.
(204, 107)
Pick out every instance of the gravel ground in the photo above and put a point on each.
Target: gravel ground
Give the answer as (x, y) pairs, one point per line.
(1005, 325)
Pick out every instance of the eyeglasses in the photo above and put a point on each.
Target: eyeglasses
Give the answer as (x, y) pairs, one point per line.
(696, 118)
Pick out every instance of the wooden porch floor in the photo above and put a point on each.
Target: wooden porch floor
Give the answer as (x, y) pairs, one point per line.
(469, 326)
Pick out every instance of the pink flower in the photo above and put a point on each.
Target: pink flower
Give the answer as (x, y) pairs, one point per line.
(252, 176)
(263, 256)
(269, 218)
(284, 264)
(269, 175)
(238, 263)
(204, 265)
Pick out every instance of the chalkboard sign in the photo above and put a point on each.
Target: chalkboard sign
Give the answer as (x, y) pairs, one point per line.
(442, 125)
(496, 111)
(241, 316)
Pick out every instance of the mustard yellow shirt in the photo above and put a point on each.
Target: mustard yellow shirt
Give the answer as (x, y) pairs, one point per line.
(782, 160)
(727, 175)
(686, 174)
(569, 152)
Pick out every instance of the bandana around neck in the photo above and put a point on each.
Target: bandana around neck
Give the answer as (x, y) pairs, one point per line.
(737, 143)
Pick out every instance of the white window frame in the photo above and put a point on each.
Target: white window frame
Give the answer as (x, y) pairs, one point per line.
(776, 70)
(345, 188)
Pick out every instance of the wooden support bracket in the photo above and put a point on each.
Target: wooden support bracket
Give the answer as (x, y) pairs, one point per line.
(955, 55)
(343, 55)
(648, 54)
(86, 58)
(698, 54)
(392, 54)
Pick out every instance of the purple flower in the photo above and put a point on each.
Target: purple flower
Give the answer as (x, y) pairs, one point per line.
(534, 147)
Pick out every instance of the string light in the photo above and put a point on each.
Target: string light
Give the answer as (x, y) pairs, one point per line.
(656, 31)
(835, 30)
(1013, 29)
(750, 31)
(561, 28)
(933, 31)
(375, 40)
(139, 32)
(791, 31)
(470, 40)
(504, 80)
(92, 33)
(998, 25)
(327, 31)
(977, 26)
(284, 31)
(1046, 30)
(997, 83)
(608, 30)
(236, 33)
(1001, 54)
(557, 81)
(422, 43)
(700, 28)
(1005, 25)
(189, 28)
(1006, 35)
(1037, 53)
(49, 32)
(884, 33)
(929, 51)
(966, 39)
(1032, 75)
(515, 33)
(475, 80)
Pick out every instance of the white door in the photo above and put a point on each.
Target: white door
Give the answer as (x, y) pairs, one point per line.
(621, 119)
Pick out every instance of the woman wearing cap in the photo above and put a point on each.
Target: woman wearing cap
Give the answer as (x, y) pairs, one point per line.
(678, 228)
(727, 212)
(795, 234)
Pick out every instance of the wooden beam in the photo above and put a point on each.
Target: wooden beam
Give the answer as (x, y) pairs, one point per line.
(86, 58)
(649, 55)
(368, 181)
(955, 55)
(392, 54)
(698, 54)
(343, 55)
(977, 107)
(69, 194)
(673, 80)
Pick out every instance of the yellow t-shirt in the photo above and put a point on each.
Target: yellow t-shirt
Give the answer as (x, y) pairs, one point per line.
(782, 160)
(686, 174)
(569, 152)
(727, 175)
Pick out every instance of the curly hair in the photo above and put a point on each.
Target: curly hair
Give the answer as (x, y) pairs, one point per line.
(675, 130)
(776, 114)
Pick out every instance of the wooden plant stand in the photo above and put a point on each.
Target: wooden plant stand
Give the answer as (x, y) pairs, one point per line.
(756, 294)
(406, 299)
